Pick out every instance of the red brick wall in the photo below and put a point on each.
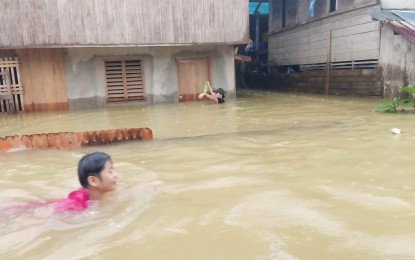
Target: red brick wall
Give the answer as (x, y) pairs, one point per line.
(72, 140)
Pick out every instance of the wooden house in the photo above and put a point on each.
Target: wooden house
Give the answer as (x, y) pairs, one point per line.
(339, 47)
(60, 54)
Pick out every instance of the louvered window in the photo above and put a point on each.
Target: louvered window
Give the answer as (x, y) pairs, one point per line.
(125, 80)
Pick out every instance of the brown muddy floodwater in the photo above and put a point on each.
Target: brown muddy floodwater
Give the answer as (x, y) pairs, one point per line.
(266, 176)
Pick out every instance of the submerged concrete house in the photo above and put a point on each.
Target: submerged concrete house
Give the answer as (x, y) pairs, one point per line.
(339, 47)
(60, 54)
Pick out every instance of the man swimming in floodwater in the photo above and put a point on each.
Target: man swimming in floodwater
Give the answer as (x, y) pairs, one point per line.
(217, 95)
(97, 177)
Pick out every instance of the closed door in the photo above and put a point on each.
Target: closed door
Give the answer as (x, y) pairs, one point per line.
(192, 73)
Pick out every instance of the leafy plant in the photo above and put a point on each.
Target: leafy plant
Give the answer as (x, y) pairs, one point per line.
(409, 89)
(393, 106)
(388, 106)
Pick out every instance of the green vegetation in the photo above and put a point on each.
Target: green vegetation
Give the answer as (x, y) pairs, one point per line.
(398, 104)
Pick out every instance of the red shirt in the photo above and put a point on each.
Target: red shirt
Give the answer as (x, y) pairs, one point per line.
(75, 201)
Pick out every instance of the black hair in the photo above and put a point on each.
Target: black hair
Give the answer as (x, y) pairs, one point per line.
(91, 165)
(222, 92)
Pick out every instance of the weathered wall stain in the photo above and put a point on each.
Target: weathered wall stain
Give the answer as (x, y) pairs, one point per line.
(397, 61)
(73, 140)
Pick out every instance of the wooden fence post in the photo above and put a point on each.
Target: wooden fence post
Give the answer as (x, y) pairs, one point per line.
(328, 64)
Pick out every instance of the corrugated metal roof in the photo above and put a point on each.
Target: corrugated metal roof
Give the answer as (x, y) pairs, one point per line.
(402, 22)
(408, 16)
(384, 15)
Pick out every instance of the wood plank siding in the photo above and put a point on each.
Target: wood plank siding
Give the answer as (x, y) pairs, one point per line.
(305, 40)
(334, 49)
(70, 23)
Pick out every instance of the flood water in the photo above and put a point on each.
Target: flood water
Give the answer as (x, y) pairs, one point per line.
(266, 176)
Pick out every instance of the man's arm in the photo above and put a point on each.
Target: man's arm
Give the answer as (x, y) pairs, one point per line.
(210, 88)
(208, 96)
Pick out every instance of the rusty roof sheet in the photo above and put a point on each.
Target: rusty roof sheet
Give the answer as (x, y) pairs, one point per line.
(400, 21)
(405, 29)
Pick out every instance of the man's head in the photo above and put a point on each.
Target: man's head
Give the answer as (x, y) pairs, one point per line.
(96, 171)
(221, 92)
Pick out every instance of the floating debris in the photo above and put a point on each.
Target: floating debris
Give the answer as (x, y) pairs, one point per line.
(396, 131)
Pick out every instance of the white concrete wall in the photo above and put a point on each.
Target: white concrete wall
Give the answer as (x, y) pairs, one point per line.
(85, 73)
(398, 4)
(397, 61)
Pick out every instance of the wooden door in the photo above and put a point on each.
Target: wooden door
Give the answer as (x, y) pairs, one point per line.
(192, 73)
(43, 78)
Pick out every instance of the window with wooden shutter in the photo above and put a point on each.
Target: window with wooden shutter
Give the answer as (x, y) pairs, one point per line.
(125, 80)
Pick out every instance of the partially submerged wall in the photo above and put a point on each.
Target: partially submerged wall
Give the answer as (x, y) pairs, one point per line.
(85, 71)
(73, 140)
(342, 82)
(397, 61)
(346, 39)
